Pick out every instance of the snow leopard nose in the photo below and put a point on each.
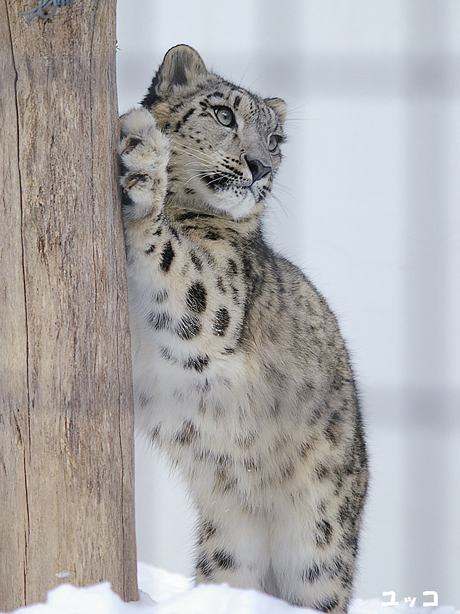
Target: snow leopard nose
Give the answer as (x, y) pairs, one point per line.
(258, 169)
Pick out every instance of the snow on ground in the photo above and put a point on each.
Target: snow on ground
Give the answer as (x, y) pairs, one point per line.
(162, 592)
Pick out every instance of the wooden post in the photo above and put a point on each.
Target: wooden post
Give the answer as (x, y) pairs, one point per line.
(66, 419)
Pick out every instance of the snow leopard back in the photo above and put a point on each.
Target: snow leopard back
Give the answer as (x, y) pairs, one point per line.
(240, 373)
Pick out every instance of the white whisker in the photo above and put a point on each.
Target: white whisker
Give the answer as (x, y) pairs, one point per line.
(281, 204)
(282, 188)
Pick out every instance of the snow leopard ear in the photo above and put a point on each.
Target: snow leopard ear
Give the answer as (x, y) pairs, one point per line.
(279, 106)
(181, 65)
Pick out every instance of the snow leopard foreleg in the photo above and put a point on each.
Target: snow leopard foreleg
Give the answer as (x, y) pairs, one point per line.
(144, 156)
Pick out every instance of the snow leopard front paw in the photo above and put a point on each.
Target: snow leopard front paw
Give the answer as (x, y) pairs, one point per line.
(144, 153)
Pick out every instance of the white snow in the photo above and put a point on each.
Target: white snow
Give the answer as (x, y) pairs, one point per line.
(162, 592)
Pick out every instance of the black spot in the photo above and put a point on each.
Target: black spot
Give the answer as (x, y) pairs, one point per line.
(138, 177)
(154, 432)
(273, 374)
(228, 351)
(159, 320)
(189, 191)
(322, 472)
(236, 298)
(177, 107)
(212, 235)
(160, 295)
(347, 580)
(174, 232)
(197, 263)
(196, 297)
(329, 571)
(167, 256)
(338, 481)
(247, 267)
(198, 363)
(166, 353)
(208, 529)
(216, 181)
(221, 322)
(350, 541)
(338, 381)
(224, 559)
(347, 511)
(144, 400)
(336, 568)
(275, 407)
(236, 102)
(203, 387)
(209, 258)
(246, 442)
(189, 113)
(150, 249)
(193, 215)
(232, 267)
(305, 449)
(188, 327)
(333, 428)
(287, 471)
(202, 454)
(223, 460)
(187, 433)
(224, 482)
(324, 535)
(204, 565)
(132, 143)
(250, 464)
(220, 285)
(311, 574)
(327, 605)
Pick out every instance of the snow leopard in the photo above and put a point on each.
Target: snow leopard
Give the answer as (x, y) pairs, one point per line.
(240, 373)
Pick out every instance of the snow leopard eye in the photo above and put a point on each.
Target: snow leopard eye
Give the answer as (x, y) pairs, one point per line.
(224, 116)
(273, 142)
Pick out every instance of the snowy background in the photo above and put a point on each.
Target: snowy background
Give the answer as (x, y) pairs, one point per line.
(162, 592)
(370, 194)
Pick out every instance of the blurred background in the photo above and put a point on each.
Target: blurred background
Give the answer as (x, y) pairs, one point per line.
(369, 208)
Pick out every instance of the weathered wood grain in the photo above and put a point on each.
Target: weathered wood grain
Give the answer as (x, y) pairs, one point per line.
(66, 419)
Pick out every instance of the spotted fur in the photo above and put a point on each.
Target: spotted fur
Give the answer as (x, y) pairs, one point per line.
(240, 373)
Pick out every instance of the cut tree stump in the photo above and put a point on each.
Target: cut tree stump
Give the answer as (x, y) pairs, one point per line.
(66, 410)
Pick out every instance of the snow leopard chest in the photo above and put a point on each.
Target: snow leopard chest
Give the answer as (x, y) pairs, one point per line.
(187, 310)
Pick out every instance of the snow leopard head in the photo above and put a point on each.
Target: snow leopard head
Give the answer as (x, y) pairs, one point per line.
(225, 141)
